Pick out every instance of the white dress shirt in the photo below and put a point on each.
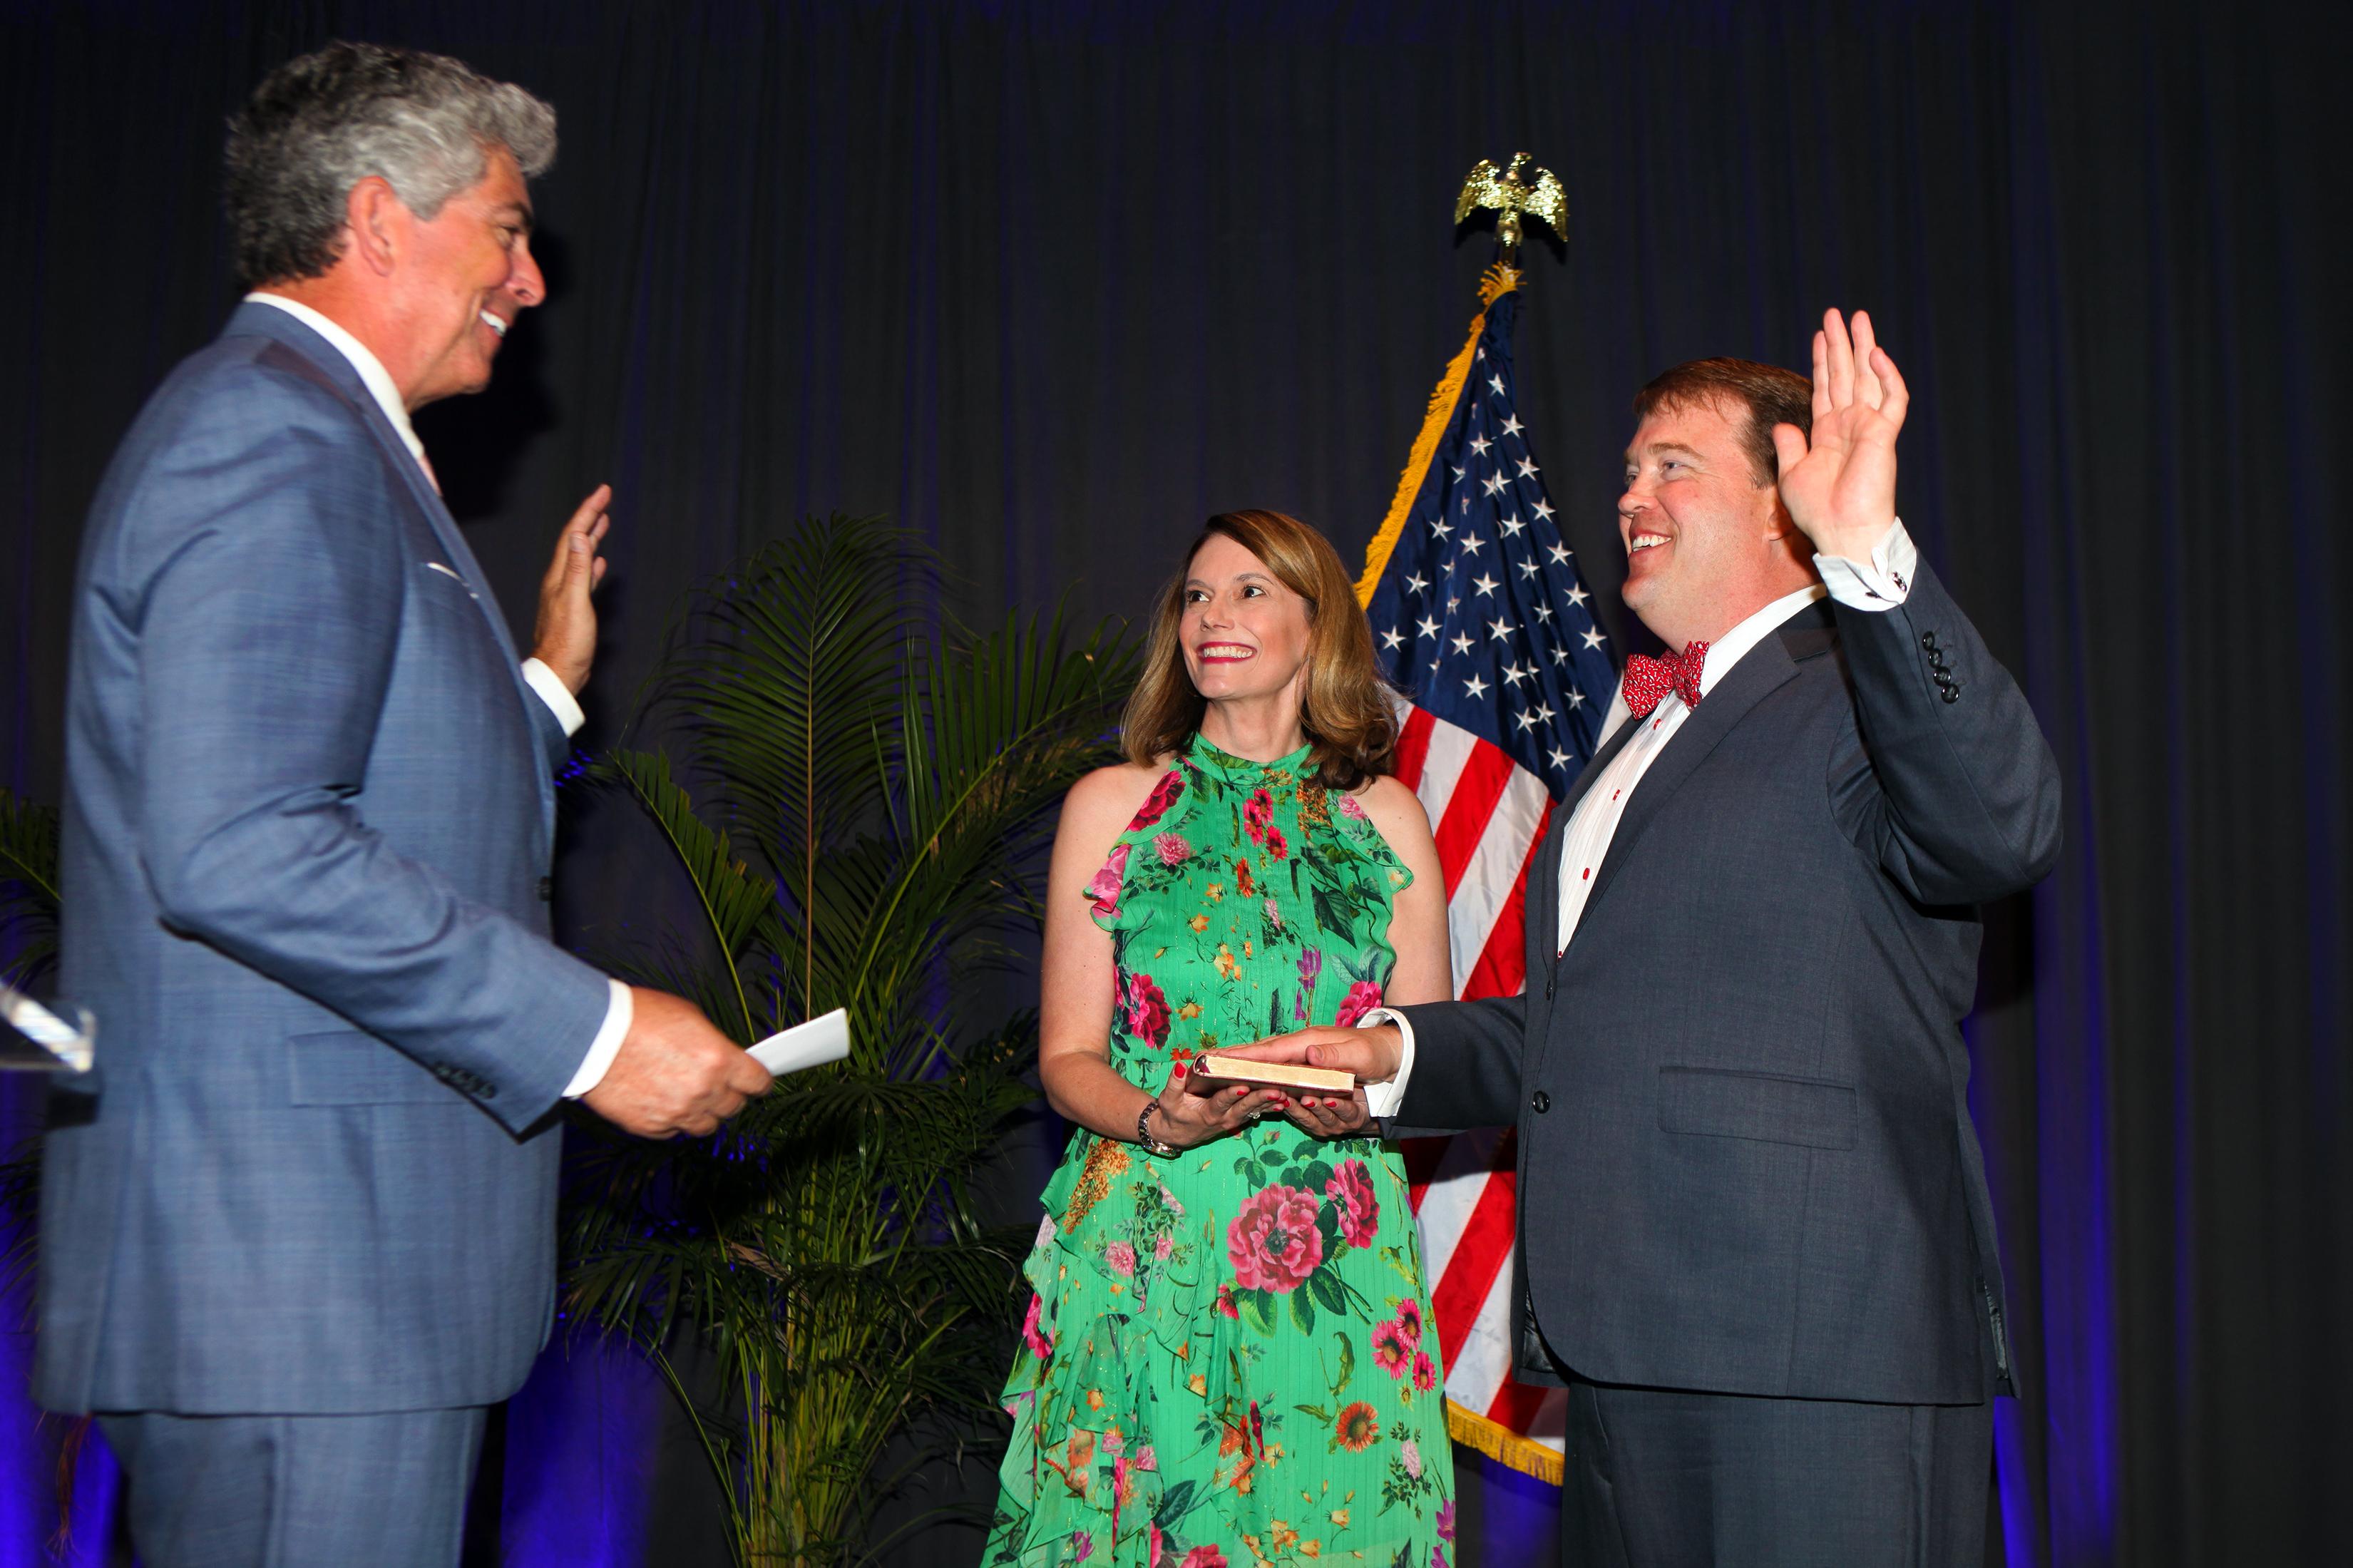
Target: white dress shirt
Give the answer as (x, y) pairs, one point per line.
(1879, 583)
(544, 682)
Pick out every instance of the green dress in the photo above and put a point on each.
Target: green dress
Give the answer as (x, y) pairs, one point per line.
(1228, 1360)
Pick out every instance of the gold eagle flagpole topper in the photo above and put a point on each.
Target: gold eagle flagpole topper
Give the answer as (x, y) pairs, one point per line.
(1510, 192)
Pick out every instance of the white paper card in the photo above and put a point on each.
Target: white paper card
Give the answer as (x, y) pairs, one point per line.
(809, 1044)
(75, 1047)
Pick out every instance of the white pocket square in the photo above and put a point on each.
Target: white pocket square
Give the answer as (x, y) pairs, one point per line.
(451, 572)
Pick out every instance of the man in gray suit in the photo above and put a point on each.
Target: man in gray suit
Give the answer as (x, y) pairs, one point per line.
(1756, 1242)
(297, 1230)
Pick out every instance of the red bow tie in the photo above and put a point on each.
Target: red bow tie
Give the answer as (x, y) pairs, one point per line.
(1648, 679)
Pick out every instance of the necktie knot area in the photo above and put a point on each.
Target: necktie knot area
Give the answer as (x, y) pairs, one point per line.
(1648, 679)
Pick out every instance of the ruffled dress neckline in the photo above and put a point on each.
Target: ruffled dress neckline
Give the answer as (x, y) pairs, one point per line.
(1203, 752)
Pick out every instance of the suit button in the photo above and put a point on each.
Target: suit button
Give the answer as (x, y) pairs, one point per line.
(1542, 1102)
(1952, 694)
(1548, 986)
(1928, 641)
(547, 889)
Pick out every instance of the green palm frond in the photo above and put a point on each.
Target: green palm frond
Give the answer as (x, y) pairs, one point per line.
(790, 687)
(992, 734)
(892, 794)
(29, 887)
(738, 905)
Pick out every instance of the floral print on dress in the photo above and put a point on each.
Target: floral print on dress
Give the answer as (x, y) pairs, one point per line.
(1362, 998)
(1147, 1010)
(1226, 1362)
(1104, 888)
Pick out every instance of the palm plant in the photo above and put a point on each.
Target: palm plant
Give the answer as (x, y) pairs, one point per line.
(29, 946)
(871, 810)
(28, 887)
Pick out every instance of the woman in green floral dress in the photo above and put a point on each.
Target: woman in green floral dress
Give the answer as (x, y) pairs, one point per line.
(1228, 1360)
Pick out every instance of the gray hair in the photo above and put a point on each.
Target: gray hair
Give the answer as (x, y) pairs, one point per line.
(319, 125)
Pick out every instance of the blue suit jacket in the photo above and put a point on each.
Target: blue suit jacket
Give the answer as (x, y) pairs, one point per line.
(1745, 1159)
(309, 814)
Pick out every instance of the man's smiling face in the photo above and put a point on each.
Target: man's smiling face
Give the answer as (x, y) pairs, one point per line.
(473, 276)
(1703, 537)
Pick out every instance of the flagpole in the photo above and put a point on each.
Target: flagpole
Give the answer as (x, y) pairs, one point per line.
(1488, 749)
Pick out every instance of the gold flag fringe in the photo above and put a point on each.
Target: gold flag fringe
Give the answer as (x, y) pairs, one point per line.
(1502, 1444)
(1497, 281)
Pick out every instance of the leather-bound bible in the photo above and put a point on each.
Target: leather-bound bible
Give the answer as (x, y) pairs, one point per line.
(1215, 1069)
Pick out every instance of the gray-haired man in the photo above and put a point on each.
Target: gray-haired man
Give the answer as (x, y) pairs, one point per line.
(298, 1233)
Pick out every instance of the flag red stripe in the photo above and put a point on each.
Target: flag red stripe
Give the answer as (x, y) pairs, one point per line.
(1421, 1156)
(1503, 962)
(1413, 747)
(1484, 774)
(1515, 1406)
(1479, 1256)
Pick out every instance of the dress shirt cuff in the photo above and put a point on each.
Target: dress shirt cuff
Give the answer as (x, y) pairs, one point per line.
(619, 1014)
(1383, 1099)
(551, 689)
(1880, 583)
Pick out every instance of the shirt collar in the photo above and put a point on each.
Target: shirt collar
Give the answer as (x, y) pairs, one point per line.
(1728, 649)
(373, 375)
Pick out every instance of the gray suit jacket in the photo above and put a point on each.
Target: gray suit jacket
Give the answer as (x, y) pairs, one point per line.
(309, 814)
(1745, 1159)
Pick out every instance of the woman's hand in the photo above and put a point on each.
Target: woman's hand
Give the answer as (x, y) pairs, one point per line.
(1189, 1120)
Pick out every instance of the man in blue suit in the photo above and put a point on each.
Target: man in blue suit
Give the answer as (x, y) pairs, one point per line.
(298, 1231)
(1755, 1239)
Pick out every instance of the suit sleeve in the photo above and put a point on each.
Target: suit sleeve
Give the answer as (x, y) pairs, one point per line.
(1946, 778)
(268, 614)
(1466, 1067)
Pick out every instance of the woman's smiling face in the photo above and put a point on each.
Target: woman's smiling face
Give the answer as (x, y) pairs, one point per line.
(1243, 632)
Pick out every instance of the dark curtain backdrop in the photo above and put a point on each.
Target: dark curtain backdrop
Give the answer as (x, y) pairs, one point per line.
(1052, 282)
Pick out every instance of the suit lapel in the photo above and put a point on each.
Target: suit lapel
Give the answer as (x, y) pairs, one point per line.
(1542, 899)
(1768, 665)
(268, 321)
(1592, 770)
(445, 527)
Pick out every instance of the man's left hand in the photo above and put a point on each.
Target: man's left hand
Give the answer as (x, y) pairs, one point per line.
(565, 637)
(1839, 486)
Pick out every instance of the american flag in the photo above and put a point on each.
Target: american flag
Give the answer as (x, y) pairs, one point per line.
(1484, 622)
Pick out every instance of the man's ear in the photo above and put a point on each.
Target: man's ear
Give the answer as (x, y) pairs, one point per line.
(1775, 513)
(379, 223)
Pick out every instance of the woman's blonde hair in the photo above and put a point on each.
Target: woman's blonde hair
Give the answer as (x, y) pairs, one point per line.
(1346, 708)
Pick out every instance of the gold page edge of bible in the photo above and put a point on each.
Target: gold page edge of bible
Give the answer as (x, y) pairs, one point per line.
(1287, 1075)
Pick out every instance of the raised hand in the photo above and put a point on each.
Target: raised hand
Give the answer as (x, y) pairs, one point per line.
(1839, 486)
(564, 638)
